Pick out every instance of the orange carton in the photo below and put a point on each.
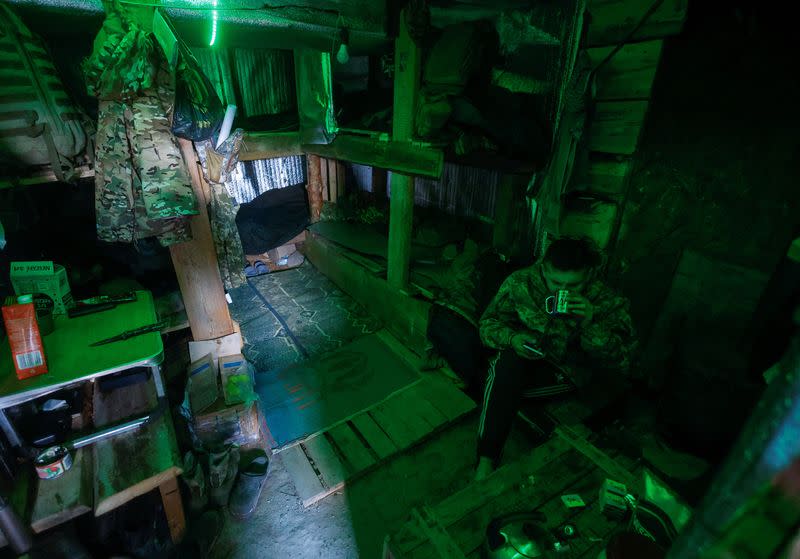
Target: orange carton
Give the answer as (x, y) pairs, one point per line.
(23, 335)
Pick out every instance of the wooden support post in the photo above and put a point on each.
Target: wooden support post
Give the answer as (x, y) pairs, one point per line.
(401, 207)
(341, 187)
(323, 173)
(504, 205)
(314, 186)
(196, 266)
(379, 183)
(173, 508)
(333, 180)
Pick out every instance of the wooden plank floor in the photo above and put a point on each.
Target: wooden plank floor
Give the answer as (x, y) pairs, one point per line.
(566, 464)
(323, 463)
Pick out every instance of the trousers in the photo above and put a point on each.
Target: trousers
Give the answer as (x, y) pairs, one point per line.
(512, 378)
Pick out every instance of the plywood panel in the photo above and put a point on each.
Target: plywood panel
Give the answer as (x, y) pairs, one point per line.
(629, 74)
(616, 126)
(63, 498)
(613, 20)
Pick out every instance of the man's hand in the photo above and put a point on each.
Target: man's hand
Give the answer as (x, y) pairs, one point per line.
(518, 343)
(581, 307)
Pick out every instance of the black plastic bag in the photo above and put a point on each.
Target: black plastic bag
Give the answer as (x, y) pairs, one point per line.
(198, 111)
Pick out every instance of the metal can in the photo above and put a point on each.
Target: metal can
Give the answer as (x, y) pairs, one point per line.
(53, 462)
(557, 304)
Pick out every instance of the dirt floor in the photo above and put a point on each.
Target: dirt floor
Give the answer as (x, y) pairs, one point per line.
(353, 523)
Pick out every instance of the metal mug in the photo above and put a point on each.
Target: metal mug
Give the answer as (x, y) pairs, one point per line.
(557, 304)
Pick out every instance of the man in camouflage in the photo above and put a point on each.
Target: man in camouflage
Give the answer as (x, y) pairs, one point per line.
(541, 354)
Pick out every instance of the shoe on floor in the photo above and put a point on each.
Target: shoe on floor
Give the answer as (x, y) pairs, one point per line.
(222, 466)
(253, 470)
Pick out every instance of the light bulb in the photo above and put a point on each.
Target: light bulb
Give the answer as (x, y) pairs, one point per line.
(342, 56)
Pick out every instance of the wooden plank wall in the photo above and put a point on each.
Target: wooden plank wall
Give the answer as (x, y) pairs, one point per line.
(623, 86)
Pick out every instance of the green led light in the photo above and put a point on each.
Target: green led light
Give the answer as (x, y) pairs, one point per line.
(213, 26)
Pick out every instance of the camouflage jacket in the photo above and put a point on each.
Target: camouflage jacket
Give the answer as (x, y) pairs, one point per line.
(519, 307)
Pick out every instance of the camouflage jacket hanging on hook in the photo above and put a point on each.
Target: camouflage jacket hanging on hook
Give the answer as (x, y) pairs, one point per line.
(142, 188)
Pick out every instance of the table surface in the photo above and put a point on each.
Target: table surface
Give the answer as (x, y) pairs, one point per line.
(70, 358)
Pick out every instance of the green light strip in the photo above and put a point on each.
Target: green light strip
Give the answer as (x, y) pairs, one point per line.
(213, 26)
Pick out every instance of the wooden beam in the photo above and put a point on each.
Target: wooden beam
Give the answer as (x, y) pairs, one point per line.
(401, 204)
(173, 509)
(197, 269)
(268, 145)
(403, 157)
(314, 186)
(612, 20)
(333, 180)
(404, 316)
(616, 126)
(629, 74)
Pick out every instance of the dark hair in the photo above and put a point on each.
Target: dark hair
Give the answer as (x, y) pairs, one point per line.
(572, 254)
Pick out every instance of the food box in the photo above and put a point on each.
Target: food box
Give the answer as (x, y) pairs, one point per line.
(29, 278)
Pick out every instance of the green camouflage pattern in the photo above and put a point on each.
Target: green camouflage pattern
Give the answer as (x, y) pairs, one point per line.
(121, 63)
(120, 208)
(230, 254)
(607, 342)
(166, 187)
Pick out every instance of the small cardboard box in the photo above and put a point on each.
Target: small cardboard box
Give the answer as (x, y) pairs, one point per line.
(235, 366)
(203, 388)
(43, 277)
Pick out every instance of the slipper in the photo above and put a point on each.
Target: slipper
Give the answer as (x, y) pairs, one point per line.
(256, 269)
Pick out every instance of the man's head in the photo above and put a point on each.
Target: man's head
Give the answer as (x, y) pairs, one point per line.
(568, 264)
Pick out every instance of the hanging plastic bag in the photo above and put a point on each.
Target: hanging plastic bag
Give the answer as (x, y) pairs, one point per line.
(198, 111)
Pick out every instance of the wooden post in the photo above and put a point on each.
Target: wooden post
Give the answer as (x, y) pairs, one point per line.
(333, 180)
(401, 206)
(314, 186)
(379, 183)
(173, 508)
(341, 187)
(504, 205)
(196, 266)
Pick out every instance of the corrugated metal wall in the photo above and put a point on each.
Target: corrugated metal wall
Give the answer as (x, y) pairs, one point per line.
(251, 178)
(264, 78)
(462, 191)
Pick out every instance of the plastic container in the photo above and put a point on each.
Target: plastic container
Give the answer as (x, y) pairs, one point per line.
(27, 349)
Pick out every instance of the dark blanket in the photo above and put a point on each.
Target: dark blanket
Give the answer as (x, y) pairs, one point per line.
(272, 218)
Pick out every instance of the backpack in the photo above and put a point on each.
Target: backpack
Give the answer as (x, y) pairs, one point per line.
(39, 124)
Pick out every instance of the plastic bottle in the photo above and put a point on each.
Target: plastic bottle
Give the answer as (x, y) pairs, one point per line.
(27, 349)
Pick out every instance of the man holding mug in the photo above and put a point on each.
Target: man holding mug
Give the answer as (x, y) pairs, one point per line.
(554, 324)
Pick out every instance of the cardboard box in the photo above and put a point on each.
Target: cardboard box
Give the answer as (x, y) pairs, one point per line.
(236, 379)
(43, 277)
(203, 388)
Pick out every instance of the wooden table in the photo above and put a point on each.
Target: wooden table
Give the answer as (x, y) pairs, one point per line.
(113, 471)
